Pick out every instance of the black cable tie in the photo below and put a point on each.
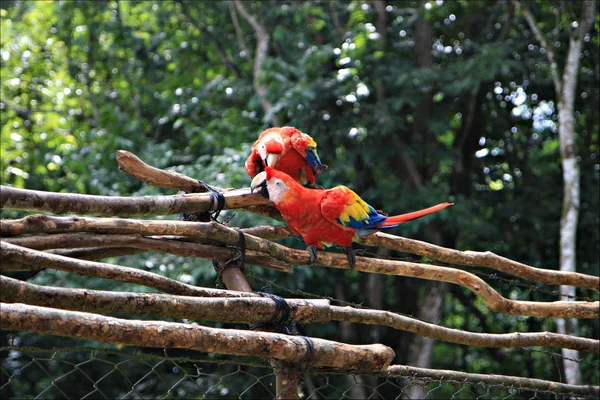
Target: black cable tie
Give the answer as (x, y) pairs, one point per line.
(215, 196)
(310, 352)
(282, 312)
(241, 257)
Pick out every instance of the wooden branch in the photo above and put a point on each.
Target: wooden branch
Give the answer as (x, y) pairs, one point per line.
(136, 168)
(229, 236)
(11, 252)
(235, 309)
(259, 309)
(160, 334)
(239, 33)
(543, 44)
(491, 379)
(212, 38)
(67, 203)
(263, 41)
(163, 245)
(504, 340)
(484, 259)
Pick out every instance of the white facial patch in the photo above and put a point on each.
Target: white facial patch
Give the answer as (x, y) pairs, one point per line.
(262, 148)
(277, 189)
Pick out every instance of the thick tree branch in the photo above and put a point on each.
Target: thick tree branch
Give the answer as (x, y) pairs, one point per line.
(492, 379)
(494, 301)
(236, 309)
(157, 244)
(160, 334)
(48, 224)
(66, 203)
(136, 168)
(484, 259)
(258, 309)
(40, 259)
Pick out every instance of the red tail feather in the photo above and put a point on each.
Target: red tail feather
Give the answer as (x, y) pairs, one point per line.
(398, 219)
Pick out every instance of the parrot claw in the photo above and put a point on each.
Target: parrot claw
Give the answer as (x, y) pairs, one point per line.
(312, 251)
(351, 257)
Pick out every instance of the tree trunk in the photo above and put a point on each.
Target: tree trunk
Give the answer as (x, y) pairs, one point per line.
(570, 167)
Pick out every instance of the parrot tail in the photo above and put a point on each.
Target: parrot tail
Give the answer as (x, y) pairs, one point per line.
(398, 219)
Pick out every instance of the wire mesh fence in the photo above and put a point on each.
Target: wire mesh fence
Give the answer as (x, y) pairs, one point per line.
(106, 372)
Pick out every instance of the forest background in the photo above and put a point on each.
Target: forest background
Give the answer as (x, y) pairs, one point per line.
(411, 103)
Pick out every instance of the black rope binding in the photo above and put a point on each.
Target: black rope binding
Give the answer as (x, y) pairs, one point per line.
(279, 318)
(215, 197)
(237, 261)
(310, 352)
(240, 259)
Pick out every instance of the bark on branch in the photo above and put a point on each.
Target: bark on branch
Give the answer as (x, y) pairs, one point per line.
(492, 379)
(484, 259)
(259, 309)
(40, 259)
(236, 309)
(293, 349)
(68, 203)
(494, 301)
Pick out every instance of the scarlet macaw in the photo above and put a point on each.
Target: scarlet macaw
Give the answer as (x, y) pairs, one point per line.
(288, 150)
(326, 216)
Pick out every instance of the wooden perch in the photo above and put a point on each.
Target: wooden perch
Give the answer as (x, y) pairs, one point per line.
(160, 334)
(492, 379)
(237, 309)
(136, 168)
(68, 203)
(483, 259)
(133, 166)
(107, 271)
(259, 309)
(229, 236)
(503, 340)
(155, 205)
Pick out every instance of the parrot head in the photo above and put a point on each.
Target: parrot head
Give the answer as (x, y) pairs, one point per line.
(271, 184)
(270, 148)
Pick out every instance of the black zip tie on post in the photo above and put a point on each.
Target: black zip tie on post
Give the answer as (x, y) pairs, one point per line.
(282, 313)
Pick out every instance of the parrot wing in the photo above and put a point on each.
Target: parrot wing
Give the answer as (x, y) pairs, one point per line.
(307, 147)
(343, 207)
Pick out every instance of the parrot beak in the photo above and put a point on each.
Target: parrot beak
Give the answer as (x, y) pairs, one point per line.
(259, 185)
(271, 159)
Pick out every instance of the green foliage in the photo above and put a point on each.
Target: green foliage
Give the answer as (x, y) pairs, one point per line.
(173, 83)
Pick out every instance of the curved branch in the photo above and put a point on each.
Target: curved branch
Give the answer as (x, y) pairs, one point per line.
(38, 259)
(484, 259)
(263, 41)
(236, 309)
(160, 334)
(229, 236)
(491, 379)
(504, 340)
(259, 309)
(543, 44)
(68, 203)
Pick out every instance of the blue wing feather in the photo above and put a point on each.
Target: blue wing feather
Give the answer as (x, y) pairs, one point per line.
(313, 160)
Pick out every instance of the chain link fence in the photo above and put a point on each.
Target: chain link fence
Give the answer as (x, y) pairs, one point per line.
(114, 372)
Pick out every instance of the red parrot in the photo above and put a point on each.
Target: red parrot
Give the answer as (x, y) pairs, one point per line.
(326, 216)
(289, 150)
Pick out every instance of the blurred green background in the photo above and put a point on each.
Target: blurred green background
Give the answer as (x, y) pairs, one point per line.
(411, 104)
